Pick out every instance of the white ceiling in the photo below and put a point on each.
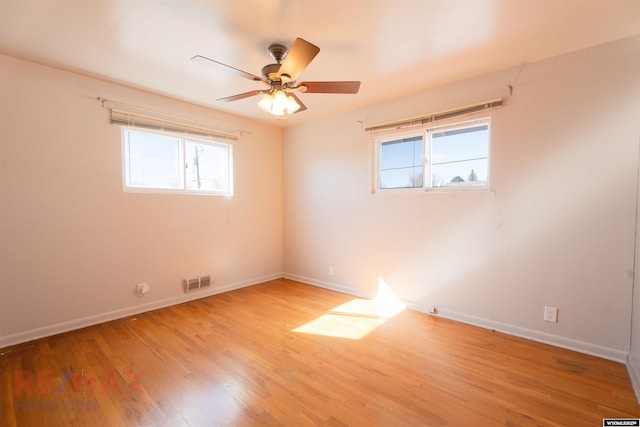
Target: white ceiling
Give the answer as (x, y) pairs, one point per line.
(394, 47)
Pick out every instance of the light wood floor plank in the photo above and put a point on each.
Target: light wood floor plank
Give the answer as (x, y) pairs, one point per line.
(236, 359)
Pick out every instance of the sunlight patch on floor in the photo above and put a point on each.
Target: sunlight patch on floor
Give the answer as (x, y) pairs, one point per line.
(355, 319)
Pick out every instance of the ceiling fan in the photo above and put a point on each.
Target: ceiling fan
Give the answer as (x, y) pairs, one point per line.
(281, 78)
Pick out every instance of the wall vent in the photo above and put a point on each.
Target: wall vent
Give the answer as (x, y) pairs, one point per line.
(198, 282)
(205, 281)
(191, 284)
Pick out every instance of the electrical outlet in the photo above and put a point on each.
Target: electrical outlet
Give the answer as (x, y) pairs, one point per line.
(142, 289)
(551, 314)
(331, 271)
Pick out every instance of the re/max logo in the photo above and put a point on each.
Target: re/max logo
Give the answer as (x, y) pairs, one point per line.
(46, 382)
(53, 405)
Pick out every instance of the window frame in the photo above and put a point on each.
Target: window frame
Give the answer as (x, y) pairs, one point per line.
(183, 139)
(427, 151)
(392, 136)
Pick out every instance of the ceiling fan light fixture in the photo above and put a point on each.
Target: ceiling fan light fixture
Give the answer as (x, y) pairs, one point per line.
(292, 105)
(278, 103)
(266, 102)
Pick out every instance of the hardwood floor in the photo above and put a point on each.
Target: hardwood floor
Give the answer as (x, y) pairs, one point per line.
(257, 356)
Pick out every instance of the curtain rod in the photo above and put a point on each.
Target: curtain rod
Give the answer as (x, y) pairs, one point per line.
(441, 115)
(211, 126)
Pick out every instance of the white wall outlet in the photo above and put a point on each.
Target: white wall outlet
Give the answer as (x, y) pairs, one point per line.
(142, 289)
(551, 314)
(331, 271)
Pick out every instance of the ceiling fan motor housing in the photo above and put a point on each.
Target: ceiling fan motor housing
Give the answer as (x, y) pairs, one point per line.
(278, 52)
(270, 72)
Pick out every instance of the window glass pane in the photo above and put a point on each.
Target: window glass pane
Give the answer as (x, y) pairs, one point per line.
(207, 167)
(152, 160)
(401, 164)
(460, 156)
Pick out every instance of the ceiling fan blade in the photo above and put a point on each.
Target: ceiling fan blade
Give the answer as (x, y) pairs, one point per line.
(241, 96)
(302, 106)
(300, 55)
(220, 66)
(330, 87)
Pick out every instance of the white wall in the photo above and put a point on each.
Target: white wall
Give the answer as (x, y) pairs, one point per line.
(557, 228)
(74, 245)
(633, 360)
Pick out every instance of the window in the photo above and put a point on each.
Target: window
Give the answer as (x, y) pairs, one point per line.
(164, 162)
(402, 162)
(460, 156)
(453, 157)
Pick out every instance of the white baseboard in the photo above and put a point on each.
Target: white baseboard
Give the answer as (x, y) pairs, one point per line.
(634, 374)
(33, 334)
(328, 285)
(532, 334)
(554, 340)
